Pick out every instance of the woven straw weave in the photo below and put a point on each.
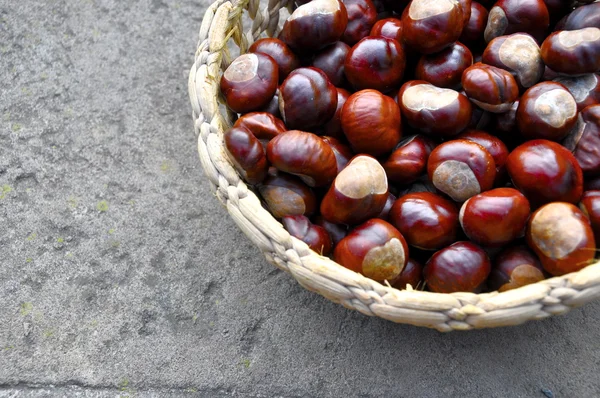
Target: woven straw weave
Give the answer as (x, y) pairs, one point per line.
(222, 26)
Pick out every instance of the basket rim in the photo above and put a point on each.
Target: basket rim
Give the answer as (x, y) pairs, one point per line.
(444, 312)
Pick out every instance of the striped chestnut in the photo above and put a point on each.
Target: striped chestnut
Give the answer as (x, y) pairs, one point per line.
(490, 88)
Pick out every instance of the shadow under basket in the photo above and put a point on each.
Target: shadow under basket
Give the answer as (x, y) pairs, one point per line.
(222, 38)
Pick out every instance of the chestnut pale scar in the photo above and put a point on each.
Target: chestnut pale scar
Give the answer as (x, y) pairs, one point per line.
(363, 176)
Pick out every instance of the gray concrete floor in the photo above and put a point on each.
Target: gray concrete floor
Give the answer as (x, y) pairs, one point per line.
(120, 274)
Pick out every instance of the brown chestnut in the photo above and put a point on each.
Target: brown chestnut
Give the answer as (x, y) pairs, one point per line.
(358, 193)
(412, 275)
(307, 98)
(362, 15)
(585, 141)
(333, 127)
(491, 88)
(461, 267)
(546, 110)
(249, 83)
(584, 88)
(496, 217)
(375, 249)
(429, 26)
(590, 206)
(305, 155)
(545, 172)
(388, 27)
(587, 16)
(283, 56)
(505, 124)
(426, 220)
(408, 161)
(389, 202)
(517, 53)
(315, 25)
(315, 236)
(513, 268)
(472, 33)
(440, 111)
(461, 169)
(561, 237)
(331, 61)
(247, 154)
(465, 6)
(263, 125)
(493, 145)
(337, 232)
(375, 62)
(371, 122)
(287, 195)
(512, 16)
(342, 152)
(445, 68)
(273, 106)
(573, 52)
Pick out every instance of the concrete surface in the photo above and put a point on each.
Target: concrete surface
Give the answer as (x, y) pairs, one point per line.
(120, 274)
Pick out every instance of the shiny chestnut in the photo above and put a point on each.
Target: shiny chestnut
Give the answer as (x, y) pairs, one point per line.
(342, 152)
(491, 88)
(445, 68)
(283, 56)
(517, 53)
(546, 110)
(461, 169)
(512, 16)
(472, 33)
(263, 125)
(429, 26)
(307, 98)
(331, 61)
(315, 25)
(336, 232)
(358, 193)
(584, 88)
(333, 127)
(412, 275)
(305, 155)
(388, 27)
(315, 236)
(586, 143)
(362, 15)
(573, 52)
(426, 220)
(590, 206)
(545, 172)
(375, 62)
(461, 267)
(408, 161)
(246, 154)
(250, 82)
(430, 109)
(375, 249)
(513, 268)
(587, 16)
(465, 6)
(371, 122)
(561, 237)
(493, 145)
(496, 217)
(287, 195)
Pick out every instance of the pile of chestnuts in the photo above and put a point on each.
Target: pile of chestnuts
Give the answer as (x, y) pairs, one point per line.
(445, 145)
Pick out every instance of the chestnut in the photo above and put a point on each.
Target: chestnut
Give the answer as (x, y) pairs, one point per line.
(331, 61)
(440, 111)
(429, 26)
(375, 62)
(389, 202)
(249, 83)
(546, 110)
(315, 25)
(421, 185)
(263, 125)
(573, 52)
(445, 68)
(557, 9)
(584, 88)
(496, 217)
(505, 124)
(307, 98)
(517, 53)
(465, 6)
(273, 106)
(362, 15)
(412, 275)
(333, 127)
(561, 237)
(491, 88)
(545, 172)
(315, 236)
(375, 249)
(460, 267)
(305, 155)
(408, 161)
(513, 268)
(287, 195)
(472, 33)
(342, 152)
(493, 145)
(388, 27)
(247, 154)
(587, 16)
(371, 122)
(461, 169)
(590, 206)
(586, 143)
(283, 56)
(358, 193)
(426, 220)
(512, 16)
(336, 232)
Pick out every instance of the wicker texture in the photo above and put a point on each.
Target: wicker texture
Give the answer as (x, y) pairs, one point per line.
(222, 25)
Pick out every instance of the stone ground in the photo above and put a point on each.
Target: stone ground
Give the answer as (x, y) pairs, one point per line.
(120, 274)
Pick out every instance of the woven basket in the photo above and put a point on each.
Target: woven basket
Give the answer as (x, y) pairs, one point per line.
(222, 31)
